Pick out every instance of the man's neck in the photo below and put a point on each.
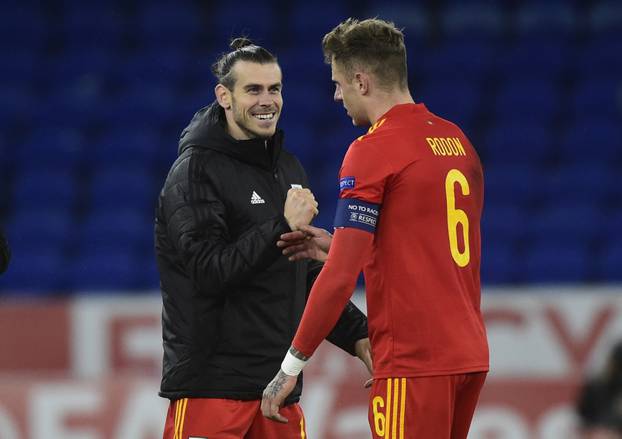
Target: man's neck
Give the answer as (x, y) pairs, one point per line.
(384, 101)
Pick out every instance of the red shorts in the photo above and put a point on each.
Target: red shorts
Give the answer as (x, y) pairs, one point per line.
(439, 407)
(229, 419)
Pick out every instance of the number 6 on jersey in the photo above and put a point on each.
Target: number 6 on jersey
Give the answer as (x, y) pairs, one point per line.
(457, 216)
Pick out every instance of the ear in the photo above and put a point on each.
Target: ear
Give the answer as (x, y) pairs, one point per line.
(362, 83)
(223, 96)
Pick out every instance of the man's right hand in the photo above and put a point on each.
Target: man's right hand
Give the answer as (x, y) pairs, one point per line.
(307, 243)
(300, 208)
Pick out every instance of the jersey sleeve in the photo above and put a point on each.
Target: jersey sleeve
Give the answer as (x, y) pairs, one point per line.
(362, 180)
(348, 253)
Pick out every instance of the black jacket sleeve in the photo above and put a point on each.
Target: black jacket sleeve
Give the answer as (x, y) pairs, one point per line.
(352, 324)
(196, 222)
(5, 253)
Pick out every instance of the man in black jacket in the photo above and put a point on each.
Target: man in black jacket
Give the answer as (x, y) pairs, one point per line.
(231, 300)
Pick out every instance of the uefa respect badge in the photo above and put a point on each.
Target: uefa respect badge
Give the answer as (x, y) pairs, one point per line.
(346, 183)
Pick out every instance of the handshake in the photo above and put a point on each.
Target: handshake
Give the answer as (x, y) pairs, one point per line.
(304, 241)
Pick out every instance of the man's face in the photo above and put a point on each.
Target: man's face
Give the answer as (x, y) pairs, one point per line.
(256, 100)
(346, 92)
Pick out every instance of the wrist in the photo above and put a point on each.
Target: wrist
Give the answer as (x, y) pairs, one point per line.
(290, 222)
(292, 365)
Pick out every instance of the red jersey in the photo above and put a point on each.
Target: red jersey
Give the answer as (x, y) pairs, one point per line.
(416, 182)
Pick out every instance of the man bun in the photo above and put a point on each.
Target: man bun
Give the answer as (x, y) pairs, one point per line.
(243, 49)
(240, 42)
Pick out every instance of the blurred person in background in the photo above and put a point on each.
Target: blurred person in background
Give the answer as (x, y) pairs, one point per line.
(231, 300)
(408, 215)
(5, 253)
(600, 401)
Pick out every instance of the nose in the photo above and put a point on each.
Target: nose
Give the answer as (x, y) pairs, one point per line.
(265, 99)
(338, 97)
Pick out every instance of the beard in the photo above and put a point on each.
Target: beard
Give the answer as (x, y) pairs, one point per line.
(245, 124)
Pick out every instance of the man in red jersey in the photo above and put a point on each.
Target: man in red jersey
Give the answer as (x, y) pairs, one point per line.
(411, 194)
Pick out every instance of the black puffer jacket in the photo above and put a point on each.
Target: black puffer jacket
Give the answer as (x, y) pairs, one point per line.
(231, 301)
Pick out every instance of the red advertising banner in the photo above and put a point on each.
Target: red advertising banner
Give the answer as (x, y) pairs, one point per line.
(89, 368)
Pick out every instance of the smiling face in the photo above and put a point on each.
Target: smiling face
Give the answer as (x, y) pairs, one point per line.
(254, 105)
(348, 92)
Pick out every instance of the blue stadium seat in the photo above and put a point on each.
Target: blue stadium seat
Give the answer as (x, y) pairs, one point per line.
(499, 262)
(453, 100)
(300, 139)
(547, 263)
(518, 142)
(123, 228)
(527, 100)
(414, 18)
(307, 104)
(159, 70)
(598, 58)
(512, 184)
(457, 59)
(543, 18)
(147, 105)
(6, 154)
(504, 220)
(605, 16)
(592, 141)
(472, 18)
(23, 25)
(128, 145)
(52, 146)
(566, 222)
(304, 64)
(93, 25)
(79, 65)
(534, 58)
(123, 188)
(610, 264)
(45, 189)
(92, 272)
(147, 270)
(167, 24)
(309, 22)
(34, 228)
(36, 271)
(580, 182)
(597, 98)
(257, 22)
(20, 66)
(18, 103)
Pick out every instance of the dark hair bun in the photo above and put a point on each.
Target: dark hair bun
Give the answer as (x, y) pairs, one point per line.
(240, 42)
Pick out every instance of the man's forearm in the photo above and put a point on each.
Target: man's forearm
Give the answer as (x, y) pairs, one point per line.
(333, 287)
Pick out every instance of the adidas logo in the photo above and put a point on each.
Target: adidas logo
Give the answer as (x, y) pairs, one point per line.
(256, 199)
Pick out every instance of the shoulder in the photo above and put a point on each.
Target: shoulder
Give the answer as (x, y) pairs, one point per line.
(197, 163)
(290, 162)
(365, 148)
(288, 158)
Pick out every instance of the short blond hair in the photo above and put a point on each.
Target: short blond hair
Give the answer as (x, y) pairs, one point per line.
(374, 45)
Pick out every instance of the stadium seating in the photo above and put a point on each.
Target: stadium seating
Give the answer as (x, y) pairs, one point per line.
(93, 97)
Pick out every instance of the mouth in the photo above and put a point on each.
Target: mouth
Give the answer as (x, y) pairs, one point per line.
(264, 116)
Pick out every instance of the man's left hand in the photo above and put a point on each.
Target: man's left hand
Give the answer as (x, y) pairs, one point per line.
(274, 395)
(362, 348)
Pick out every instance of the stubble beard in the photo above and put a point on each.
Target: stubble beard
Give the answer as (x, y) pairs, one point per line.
(243, 124)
